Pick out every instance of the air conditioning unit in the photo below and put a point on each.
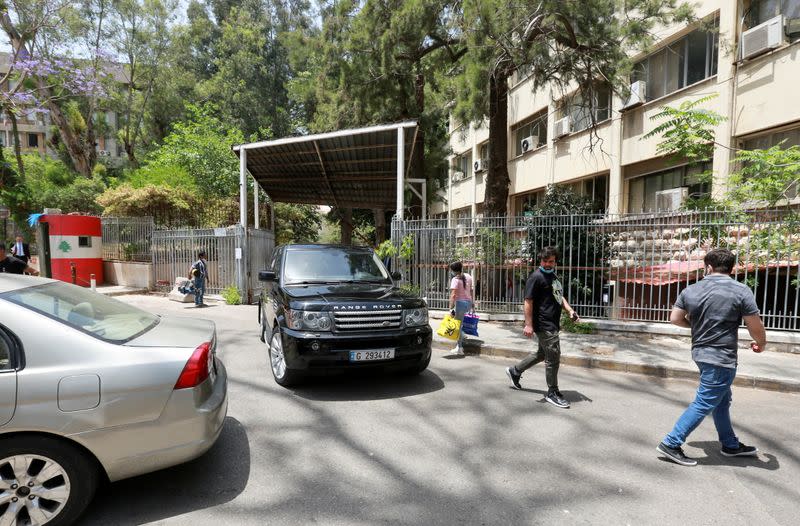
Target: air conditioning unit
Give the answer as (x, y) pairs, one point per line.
(529, 143)
(638, 94)
(673, 199)
(793, 27)
(562, 127)
(479, 165)
(103, 153)
(763, 37)
(458, 176)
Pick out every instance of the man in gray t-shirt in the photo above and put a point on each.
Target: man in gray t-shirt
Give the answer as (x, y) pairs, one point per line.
(714, 308)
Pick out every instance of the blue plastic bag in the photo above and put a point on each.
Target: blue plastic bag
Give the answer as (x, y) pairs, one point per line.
(469, 325)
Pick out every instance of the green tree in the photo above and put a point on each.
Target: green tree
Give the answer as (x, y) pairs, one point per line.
(567, 45)
(141, 36)
(238, 53)
(201, 146)
(382, 62)
(50, 183)
(766, 176)
(296, 223)
(760, 177)
(688, 133)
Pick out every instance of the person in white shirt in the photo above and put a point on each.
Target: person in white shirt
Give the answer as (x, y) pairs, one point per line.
(21, 250)
(462, 299)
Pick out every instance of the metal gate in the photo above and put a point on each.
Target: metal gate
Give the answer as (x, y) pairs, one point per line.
(260, 245)
(229, 264)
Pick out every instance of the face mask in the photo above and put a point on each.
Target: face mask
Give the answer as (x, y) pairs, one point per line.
(546, 270)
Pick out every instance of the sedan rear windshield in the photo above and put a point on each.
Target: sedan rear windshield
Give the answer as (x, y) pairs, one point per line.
(333, 265)
(93, 313)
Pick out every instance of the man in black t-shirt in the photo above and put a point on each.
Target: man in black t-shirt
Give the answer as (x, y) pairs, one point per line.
(544, 300)
(12, 265)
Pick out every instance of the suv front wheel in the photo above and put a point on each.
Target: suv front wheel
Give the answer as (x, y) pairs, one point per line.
(277, 361)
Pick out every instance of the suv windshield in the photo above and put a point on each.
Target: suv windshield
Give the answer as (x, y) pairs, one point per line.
(333, 265)
(87, 311)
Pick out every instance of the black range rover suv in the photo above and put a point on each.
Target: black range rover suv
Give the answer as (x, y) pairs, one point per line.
(328, 308)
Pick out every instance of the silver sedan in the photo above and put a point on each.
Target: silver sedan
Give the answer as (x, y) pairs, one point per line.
(93, 389)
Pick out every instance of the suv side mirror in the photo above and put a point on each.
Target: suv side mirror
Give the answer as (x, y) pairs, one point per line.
(396, 276)
(266, 275)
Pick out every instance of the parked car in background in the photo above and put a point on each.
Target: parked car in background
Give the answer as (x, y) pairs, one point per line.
(333, 308)
(93, 389)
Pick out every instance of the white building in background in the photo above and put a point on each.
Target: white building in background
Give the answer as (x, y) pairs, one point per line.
(751, 64)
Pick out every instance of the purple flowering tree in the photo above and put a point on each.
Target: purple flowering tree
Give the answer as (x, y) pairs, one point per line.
(46, 81)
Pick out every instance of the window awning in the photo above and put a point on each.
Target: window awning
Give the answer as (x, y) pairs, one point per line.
(355, 168)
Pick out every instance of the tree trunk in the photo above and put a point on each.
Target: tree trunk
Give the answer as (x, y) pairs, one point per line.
(132, 161)
(497, 179)
(346, 225)
(380, 225)
(17, 152)
(77, 151)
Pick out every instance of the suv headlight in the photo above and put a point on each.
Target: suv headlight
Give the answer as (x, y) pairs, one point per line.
(415, 317)
(308, 320)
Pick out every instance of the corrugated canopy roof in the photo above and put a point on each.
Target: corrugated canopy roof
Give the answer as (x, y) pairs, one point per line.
(354, 168)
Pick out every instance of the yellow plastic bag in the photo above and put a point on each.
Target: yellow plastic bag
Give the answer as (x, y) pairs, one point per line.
(449, 328)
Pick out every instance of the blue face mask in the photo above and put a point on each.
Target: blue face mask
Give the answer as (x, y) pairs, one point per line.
(546, 270)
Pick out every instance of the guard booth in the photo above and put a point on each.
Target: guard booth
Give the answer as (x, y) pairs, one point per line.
(70, 248)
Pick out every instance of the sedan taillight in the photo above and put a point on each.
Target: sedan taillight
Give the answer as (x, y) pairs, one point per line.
(196, 369)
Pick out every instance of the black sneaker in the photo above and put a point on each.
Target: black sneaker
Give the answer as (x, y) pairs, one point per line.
(676, 455)
(741, 451)
(514, 376)
(555, 398)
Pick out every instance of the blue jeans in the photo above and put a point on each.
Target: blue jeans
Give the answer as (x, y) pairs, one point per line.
(713, 396)
(462, 307)
(199, 290)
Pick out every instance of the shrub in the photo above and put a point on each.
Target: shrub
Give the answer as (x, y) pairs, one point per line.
(581, 327)
(231, 295)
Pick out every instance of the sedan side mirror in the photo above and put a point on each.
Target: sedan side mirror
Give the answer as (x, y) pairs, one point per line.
(397, 276)
(266, 275)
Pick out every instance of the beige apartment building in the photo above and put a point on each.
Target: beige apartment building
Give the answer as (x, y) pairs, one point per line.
(751, 64)
(35, 129)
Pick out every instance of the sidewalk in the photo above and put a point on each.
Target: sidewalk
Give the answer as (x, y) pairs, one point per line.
(120, 290)
(654, 355)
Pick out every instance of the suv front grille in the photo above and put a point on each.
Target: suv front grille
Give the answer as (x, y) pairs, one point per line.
(367, 320)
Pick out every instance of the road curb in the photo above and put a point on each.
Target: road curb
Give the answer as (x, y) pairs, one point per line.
(660, 371)
(130, 292)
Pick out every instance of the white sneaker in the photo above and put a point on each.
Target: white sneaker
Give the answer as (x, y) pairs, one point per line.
(456, 351)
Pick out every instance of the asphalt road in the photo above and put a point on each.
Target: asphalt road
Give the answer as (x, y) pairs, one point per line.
(457, 445)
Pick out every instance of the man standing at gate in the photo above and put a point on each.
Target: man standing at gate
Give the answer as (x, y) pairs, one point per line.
(21, 250)
(544, 300)
(199, 273)
(714, 308)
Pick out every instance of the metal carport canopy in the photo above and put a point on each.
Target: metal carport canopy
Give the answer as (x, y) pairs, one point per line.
(355, 168)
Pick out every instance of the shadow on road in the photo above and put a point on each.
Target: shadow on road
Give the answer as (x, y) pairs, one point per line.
(571, 396)
(715, 458)
(372, 386)
(218, 476)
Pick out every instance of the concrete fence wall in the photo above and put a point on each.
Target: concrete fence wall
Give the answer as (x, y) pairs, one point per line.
(129, 274)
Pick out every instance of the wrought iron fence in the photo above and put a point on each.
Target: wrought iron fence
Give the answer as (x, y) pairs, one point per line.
(127, 238)
(617, 267)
